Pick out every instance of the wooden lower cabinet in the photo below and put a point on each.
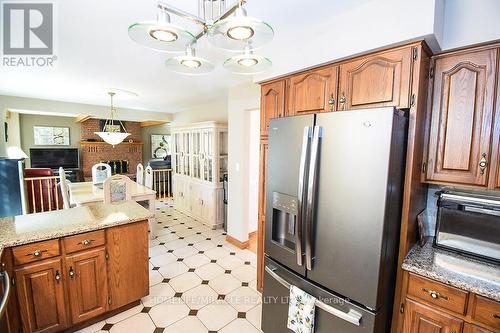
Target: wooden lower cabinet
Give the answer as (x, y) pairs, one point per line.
(128, 270)
(40, 291)
(55, 294)
(469, 328)
(88, 284)
(424, 319)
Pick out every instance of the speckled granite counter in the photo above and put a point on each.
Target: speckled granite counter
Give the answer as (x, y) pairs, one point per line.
(24, 229)
(456, 270)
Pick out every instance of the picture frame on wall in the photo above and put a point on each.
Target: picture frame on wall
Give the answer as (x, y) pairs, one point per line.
(51, 136)
(160, 145)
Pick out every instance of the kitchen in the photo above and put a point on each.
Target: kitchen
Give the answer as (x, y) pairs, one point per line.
(378, 199)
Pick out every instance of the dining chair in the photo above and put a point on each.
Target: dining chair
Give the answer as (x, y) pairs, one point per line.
(140, 174)
(100, 172)
(148, 180)
(64, 186)
(117, 188)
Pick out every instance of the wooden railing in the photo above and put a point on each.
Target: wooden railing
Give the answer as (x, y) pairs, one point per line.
(43, 194)
(162, 183)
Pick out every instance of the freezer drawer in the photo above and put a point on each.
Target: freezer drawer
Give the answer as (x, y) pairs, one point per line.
(333, 314)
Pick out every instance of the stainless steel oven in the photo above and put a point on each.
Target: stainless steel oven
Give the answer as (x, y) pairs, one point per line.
(469, 223)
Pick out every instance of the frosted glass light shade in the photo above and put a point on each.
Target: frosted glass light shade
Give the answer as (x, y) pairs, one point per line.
(113, 138)
(247, 63)
(161, 36)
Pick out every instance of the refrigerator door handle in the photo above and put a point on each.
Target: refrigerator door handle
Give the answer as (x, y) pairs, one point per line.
(351, 316)
(311, 192)
(301, 192)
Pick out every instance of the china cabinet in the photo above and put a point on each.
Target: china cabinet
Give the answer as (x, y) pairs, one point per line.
(199, 164)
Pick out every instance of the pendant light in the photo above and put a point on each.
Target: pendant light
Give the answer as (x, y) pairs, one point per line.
(161, 35)
(247, 63)
(108, 133)
(233, 32)
(189, 63)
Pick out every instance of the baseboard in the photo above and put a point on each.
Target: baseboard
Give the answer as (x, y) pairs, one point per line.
(237, 243)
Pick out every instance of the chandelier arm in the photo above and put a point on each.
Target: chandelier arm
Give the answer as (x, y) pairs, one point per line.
(181, 13)
(223, 16)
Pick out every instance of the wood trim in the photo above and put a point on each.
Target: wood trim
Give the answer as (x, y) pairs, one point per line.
(237, 243)
(252, 234)
(81, 119)
(148, 123)
(415, 192)
(92, 143)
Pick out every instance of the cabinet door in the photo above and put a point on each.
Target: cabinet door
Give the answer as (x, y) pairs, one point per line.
(128, 276)
(469, 328)
(461, 118)
(377, 80)
(313, 92)
(272, 104)
(88, 284)
(262, 213)
(423, 319)
(41, 296)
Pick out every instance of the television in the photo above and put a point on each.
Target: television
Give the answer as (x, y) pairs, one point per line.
(54, 158)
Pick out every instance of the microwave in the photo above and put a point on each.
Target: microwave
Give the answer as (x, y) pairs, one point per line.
(469, 223)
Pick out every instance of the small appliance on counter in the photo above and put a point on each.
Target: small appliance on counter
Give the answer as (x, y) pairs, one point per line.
(469, 223)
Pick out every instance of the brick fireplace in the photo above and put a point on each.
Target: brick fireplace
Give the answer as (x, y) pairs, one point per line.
(95, 150)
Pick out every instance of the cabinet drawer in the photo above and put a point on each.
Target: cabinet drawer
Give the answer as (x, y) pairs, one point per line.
(24, 254)
(486, 311)
(436, 293)
(84, 241)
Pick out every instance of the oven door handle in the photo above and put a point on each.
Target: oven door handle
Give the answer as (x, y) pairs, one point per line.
(300, 196)
(351, 316)
(481, 210)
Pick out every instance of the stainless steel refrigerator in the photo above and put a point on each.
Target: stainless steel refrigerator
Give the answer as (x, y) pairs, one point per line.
(333, 209)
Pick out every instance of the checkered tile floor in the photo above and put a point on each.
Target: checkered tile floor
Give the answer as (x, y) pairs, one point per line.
(198, 283)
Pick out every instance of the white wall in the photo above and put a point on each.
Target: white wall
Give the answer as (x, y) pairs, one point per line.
(241, 100)
(253, 169)
(206, 112)
(470, 22)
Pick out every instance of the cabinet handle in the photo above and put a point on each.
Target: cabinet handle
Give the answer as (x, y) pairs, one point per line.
(71, 272)
(342, 101)
(86, 242)
(36, 253)
(58, 276)
(483, 163)
(331, 102)
(435, 294)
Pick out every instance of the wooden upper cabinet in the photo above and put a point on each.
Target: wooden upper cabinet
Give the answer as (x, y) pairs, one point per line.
(128, 263)
(41, 296)
(419, 318)
(377, 80)
(313, 91)
(272, 104)
(87, 284)
(460, 134)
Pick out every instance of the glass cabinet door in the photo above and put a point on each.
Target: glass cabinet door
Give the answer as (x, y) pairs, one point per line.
(187, 153)
(177, 153)
(223, 154)
(208, 136)
(196, 154)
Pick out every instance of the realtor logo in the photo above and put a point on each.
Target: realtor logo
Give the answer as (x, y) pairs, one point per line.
(28, 30)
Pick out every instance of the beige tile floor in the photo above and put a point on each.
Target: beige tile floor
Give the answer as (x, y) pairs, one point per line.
(199, 283)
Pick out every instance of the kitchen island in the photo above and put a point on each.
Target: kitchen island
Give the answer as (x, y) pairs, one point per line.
(70, 268)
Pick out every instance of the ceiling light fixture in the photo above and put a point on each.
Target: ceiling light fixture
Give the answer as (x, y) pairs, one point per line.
(189, 63)
(111, 132)
(247, 63)
(225, 31)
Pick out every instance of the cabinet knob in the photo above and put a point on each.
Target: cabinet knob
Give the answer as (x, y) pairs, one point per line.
(37, 253)
(331, 102)
(58, 276)
(496, 316)
(86, 242)
(483, 163)
(342, 101)
(71, 272)
(435, 294)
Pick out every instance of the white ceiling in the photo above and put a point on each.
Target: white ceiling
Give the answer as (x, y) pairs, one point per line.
(95, 53)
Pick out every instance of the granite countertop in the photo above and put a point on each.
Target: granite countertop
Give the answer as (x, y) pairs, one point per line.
(459, 271)
(30, 228)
